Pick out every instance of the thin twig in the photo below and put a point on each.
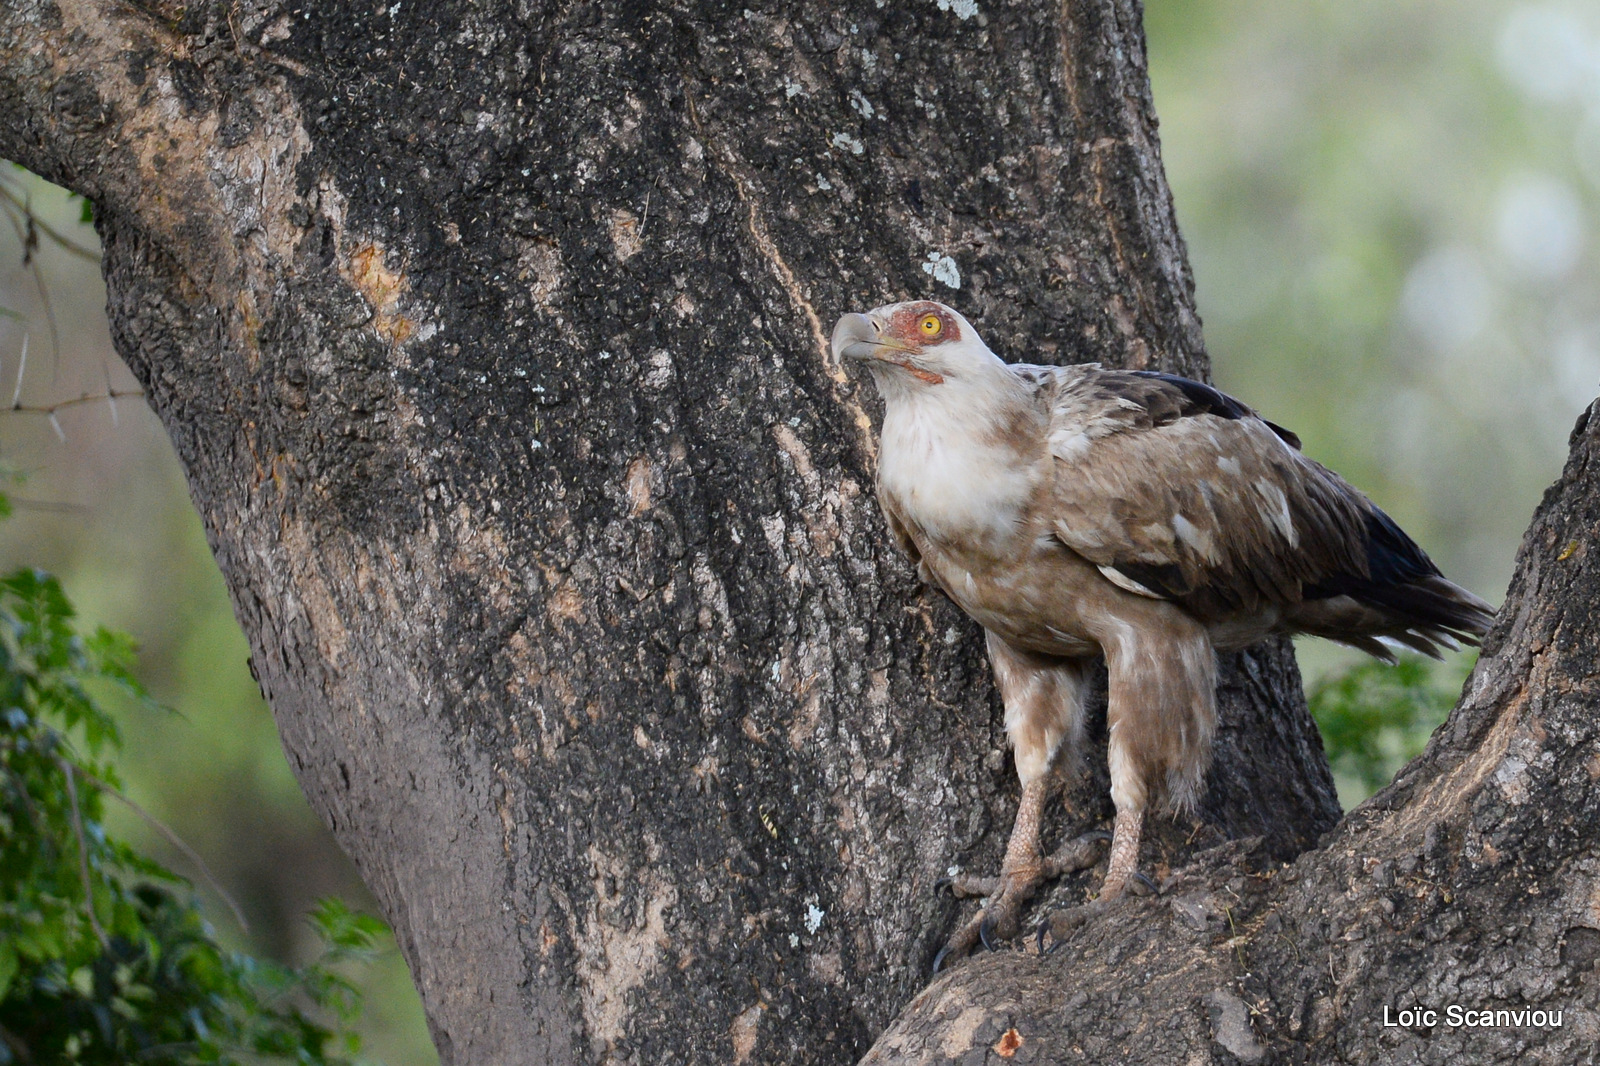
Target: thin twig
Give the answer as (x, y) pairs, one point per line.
(51, 409)
(49, 506)
(31, 244)
(22, 365)
(67, 244)
(83, 853)
(176, 841)
(1234, 929)
(50, 320)
(24, 236)
(111, 394)
(646, 219)
(16, 216)
(35, 815)
(238, 39)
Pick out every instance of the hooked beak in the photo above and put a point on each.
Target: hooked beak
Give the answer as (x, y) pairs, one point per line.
(861, 337)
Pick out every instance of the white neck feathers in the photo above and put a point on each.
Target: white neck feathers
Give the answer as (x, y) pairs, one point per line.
(960, 458)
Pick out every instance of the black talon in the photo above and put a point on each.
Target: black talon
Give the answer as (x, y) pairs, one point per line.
(944, 883)
(938, 960)
(1154, 888)
(1042, 927)
(986, 931)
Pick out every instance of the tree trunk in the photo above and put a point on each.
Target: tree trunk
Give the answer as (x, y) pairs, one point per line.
(492, 340)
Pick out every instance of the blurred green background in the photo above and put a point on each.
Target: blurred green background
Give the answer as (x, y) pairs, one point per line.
(1390, 208)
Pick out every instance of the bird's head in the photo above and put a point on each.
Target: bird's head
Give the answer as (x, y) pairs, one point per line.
(916, 344)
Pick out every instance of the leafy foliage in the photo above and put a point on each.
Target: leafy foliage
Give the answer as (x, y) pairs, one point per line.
(1375, 718)
(104, 956)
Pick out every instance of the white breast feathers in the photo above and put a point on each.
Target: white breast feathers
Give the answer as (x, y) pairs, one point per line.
(955, 467)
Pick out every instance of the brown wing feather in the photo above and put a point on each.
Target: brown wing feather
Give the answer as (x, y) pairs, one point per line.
(901, 526)
(897, 527)
(1175, 490)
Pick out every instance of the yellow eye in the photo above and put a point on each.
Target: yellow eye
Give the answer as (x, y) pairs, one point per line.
(931, 326)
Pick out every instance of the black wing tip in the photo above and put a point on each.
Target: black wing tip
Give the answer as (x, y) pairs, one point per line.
(1164, 579)
(1393, 560)
(1427, 608)
(1430, 616)
(1210, 400)
(1206, 398)
(1289, 437)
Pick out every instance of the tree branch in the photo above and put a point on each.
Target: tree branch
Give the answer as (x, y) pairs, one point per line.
(83, 853)
(176, 841)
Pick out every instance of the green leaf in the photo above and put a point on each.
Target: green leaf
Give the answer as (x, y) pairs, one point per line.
(1375, 718)
(8, 967)
(163, 982)
(83, 980)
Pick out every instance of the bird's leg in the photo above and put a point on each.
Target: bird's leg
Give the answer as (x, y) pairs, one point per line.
(1021, 873)
(1124, 861)
(1022, 851)
(1043, 697)
(1019, 877)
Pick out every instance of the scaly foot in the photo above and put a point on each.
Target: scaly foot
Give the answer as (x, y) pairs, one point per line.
(1063, 923)
(1019, 880)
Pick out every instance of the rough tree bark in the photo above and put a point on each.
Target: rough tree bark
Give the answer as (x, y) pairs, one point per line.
(491, 338)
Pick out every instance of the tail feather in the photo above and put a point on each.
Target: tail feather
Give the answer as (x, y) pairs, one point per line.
(1431, 617)
(1434, 607)
(1402, 599)
(1386, 644)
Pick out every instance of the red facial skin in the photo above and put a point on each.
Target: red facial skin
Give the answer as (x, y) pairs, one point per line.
(905, 329)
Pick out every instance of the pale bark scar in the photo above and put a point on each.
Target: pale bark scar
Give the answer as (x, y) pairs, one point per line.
(806, 722)
(820, 520)
(564, 601)
(1453, 789)
(769, 251)
(637, 484)
(958, 1038)
(621, 955)
(744, 1030)
(626, 239)
(369, 272)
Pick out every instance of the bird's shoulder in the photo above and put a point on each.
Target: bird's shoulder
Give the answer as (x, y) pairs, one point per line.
(1087, 401)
